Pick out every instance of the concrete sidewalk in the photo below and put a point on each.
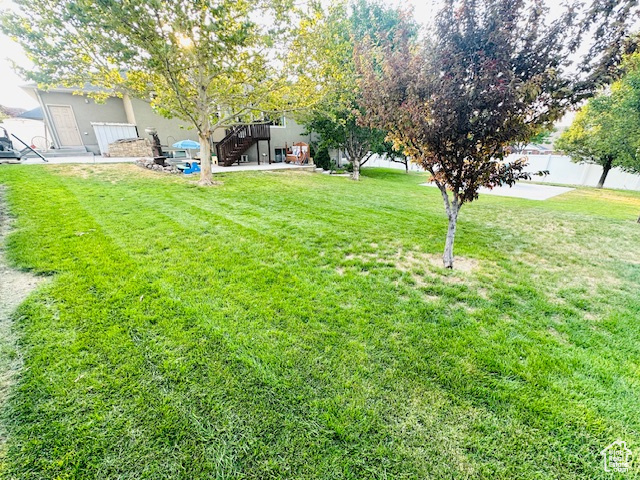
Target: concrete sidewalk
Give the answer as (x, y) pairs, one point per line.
(84, 160)
(97, 160)
(528, 191)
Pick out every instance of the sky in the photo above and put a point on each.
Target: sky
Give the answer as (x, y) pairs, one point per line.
(12, 95)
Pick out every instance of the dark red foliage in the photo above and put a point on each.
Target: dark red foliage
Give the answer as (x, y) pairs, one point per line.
(492, 73)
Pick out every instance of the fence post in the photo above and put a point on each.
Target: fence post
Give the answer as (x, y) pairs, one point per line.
(548, 169)
(585, 173)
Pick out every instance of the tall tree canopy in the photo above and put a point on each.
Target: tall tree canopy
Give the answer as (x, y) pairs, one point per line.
(491, 73)
(627, 90)
(593, 136)
(606, 131)
(329, 45)
(213, 63)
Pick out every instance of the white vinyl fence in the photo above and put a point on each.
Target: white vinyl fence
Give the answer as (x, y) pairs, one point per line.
(384, 162)
(561, 171)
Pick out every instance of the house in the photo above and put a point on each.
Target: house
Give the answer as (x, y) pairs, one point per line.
(530, 149)
(78, 124)
(536, 149)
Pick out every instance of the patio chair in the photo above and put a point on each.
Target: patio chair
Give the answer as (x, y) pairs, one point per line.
(189, 168)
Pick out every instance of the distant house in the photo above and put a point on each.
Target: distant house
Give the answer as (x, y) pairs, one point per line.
(535, 149)
(77, 123)
(531, 149)
(33, 114)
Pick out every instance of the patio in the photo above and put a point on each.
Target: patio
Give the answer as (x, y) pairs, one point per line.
(90, 159)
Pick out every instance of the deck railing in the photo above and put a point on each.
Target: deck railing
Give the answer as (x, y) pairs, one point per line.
(239, 139)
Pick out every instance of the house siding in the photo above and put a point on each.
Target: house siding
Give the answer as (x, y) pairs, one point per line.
(86, 110)
(170, 130)
(292, 133)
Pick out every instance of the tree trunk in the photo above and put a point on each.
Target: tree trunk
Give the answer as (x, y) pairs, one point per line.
(204, 129)
(406, 165)
(356, 168)
(605, 171)
(451, 236)
(639, 219)
(206, 177)
(452, 207)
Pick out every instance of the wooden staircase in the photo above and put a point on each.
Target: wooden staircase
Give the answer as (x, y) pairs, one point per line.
(238, 140)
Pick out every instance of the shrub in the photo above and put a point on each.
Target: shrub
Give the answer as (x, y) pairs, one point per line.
(321, 159)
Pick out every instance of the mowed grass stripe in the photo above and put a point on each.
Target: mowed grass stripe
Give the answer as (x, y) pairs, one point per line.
(352, 375)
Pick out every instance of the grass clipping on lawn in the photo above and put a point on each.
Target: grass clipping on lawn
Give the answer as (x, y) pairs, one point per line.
(15, 286)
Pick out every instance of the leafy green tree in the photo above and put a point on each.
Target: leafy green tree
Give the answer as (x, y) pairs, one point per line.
(606, 131)
(543, 137)
(339, 129)
(587, 139)
(209, 63)
(330, 47)
(626, 91)
(403, 159)
(490, 74)
(386, 149)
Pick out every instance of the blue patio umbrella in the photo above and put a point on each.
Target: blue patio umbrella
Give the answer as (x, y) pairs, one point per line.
(186, 145)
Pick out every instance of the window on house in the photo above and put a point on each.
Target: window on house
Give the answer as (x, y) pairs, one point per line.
(280, 122)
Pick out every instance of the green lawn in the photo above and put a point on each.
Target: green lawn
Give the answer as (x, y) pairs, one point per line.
(299, 326)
